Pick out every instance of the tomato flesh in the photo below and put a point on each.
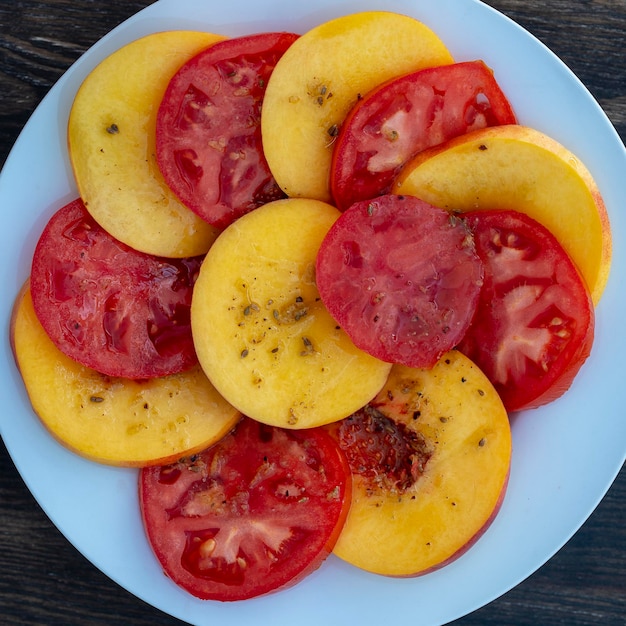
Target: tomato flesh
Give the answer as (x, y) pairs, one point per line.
(109, 307)
(407, 115)
(208, 133)
(251, 515)
(534, 323)
(386, 453)
(401, 278)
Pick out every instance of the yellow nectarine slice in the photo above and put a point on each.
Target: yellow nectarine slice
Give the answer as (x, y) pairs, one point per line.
(115, 421)
(111, 140)
(319, 79)
(447, 435)
(519, 168)
(261, 332)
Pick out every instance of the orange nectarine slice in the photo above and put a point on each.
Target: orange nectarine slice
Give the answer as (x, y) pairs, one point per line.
(115, 421)
(261, 332)
(445, 442)
(111, 140)
(321, 76)
(519, 168)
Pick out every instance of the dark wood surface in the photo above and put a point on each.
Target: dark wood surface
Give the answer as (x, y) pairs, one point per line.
(44, 580)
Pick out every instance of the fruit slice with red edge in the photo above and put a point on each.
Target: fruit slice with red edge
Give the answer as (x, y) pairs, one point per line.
(261, 333)
(208, 133)
(401, 277)
(111, 142)
(108, 306)
(409, 114)
(253, 514)
(520, 168)
(445, 440)
(319, 79)
(534, 323)
(115, 421)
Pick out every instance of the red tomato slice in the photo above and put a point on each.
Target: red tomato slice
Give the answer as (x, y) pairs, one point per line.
(401, 277)
(208, 134)
(407, 115)
(534, 323)
(109, 307)
(251, 515)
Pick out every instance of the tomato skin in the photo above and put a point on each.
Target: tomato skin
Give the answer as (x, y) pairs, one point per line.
(401, 278)
(407, 115)
(534, 323)
(251, 515)
(109, 307)
(208, 135)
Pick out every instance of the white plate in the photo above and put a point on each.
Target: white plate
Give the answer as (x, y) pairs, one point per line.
(565, 455)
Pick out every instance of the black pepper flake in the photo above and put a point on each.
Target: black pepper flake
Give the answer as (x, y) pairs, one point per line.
(113, 129)
(308, 347)
(481, 392)
(250, 308)
(96, 399)
(482, 147)
(333, 131)
(244, 353)
(482, 442)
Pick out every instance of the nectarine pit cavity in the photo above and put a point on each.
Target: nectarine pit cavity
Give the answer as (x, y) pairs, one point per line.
(386, 453)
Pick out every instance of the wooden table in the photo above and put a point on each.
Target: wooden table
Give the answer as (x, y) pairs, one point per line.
(44, 580)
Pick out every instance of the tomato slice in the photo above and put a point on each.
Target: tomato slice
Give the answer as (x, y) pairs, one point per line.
(251, 515)
(534, 323)
(109, 307)
(401, 277)
(407, 115)
(208, 134)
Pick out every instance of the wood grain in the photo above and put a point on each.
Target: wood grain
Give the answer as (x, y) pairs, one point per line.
(45, 581)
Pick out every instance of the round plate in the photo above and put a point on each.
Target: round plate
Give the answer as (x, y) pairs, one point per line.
(563, 462)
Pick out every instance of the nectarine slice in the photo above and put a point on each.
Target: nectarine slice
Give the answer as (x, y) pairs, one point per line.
(445, 442)
(111, 140)
(322, 76)
(115, 421)
(520, 168)
(261, 332)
